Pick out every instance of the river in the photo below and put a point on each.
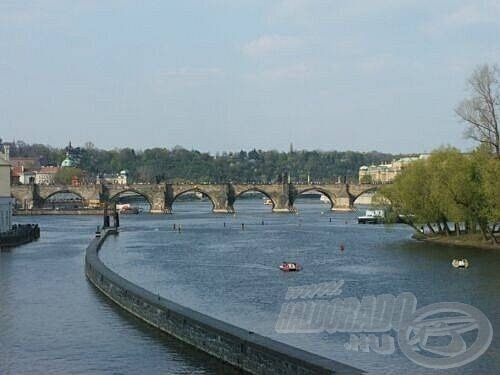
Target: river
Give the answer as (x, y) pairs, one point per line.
(53, 321)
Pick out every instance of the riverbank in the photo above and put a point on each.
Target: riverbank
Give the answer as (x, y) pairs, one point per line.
(464, 240)
(38, 212)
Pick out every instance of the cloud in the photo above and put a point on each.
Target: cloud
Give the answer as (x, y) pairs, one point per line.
(476, 13)
(269, 44)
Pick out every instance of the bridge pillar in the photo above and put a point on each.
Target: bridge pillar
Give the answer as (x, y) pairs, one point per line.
(37, 201)
(222, 200)
(281, 199)
(344, 201)
(169, 198)
(158, 202)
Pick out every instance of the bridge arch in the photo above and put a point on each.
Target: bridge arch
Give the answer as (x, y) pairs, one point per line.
(258, 190)
(331, 197)
(368, 190)
(117, 195)
(61, 191)
(194, 190)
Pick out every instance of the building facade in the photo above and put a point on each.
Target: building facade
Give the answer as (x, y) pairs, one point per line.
(114, 179)
(385, 173)
(5, 198)
(46, 175)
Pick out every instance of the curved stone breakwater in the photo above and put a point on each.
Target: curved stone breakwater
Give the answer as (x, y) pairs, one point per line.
(243, 349)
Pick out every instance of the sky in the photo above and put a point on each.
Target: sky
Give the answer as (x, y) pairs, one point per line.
(219, 75)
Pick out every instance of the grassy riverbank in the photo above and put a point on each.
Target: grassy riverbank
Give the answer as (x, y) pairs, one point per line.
(464, 240)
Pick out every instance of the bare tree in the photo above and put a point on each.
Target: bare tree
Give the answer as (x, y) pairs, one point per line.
(480, 111)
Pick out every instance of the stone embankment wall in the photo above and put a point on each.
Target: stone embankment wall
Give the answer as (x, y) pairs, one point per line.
(246, 350)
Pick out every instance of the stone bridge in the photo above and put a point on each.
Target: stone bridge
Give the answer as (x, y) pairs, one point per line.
(162, 196)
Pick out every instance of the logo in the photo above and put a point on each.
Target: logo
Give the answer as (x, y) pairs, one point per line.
(430, 336)
(444, 323)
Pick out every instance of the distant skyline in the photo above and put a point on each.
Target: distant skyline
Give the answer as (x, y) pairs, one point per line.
(224, 75)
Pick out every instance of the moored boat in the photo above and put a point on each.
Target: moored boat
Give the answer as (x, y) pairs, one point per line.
(126, 208)
(372, 217)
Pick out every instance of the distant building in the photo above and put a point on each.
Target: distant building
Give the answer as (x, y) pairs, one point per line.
(73, 156)
(25, 162)
(114, 179)
(46, 175)
(5, 198)
(15, 175)
(385, 173)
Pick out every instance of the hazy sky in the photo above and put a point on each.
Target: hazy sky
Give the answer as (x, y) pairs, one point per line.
(230, 74)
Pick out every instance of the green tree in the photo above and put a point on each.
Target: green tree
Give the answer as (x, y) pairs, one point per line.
(449, 187)
(64, 175)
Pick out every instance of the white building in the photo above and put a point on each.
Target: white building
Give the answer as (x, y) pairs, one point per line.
(46, 175)
(115, 179)
(5, 199)
(385, 173)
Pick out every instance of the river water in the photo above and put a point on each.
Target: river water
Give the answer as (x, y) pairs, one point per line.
(53, 321)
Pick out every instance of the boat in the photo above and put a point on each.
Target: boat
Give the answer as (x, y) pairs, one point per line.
(268, 202)
(372, 217)
(290, 267)
(126, 208)
(460, 263)
(131, 210)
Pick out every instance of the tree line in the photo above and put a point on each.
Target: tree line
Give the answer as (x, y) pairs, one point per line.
(180, 165)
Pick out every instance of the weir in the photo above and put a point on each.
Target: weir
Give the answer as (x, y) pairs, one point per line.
(243, 349)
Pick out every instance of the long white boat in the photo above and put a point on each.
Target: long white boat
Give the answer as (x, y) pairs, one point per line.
(372, 217)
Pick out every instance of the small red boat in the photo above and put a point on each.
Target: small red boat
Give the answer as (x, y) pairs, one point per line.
(290, 267)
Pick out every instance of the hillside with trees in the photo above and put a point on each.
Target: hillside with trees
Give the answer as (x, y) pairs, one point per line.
(178, 164)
